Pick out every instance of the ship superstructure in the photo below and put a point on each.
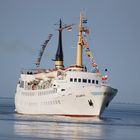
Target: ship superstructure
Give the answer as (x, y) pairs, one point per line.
(67, 91)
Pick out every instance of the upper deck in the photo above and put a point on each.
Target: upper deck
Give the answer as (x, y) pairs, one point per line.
(68, 77)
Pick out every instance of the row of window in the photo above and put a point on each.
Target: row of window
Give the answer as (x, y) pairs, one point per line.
(39, 93)
(84, 80)
(47, 92)
(51, 102)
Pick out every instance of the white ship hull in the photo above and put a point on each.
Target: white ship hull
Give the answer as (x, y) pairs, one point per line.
(86, 102)
(68, 91)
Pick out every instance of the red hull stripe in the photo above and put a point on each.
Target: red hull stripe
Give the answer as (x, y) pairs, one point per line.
(75, 115)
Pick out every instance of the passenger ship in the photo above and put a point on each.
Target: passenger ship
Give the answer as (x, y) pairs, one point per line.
(67, 91)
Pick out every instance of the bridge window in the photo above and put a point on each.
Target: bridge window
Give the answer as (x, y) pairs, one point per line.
(75, 79)
(89, 81)
(93, 81)
(71, 79)
(97, 81)
(84, 80)
(79, 80)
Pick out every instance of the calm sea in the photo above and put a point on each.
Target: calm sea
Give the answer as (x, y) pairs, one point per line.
(119, 122)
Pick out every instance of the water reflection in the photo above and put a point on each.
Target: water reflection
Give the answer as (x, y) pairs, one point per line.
(59, 127)
(119, 122)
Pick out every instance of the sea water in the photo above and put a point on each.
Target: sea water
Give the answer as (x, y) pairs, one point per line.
(118, 122)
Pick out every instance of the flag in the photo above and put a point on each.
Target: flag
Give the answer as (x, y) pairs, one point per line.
(84, 20)
(86, 30)
(105, 77)
(69, 29)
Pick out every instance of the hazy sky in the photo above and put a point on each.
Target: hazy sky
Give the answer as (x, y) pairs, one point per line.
(114, 39)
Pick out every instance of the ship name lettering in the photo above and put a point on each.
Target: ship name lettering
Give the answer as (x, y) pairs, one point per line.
(81, 95)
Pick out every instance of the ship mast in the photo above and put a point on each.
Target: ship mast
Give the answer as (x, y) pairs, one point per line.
(59, 53)
(79, 43)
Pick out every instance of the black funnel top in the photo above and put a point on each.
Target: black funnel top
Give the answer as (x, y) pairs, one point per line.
(59, 53)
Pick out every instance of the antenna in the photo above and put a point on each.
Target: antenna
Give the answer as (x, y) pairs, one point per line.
(65, 26)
